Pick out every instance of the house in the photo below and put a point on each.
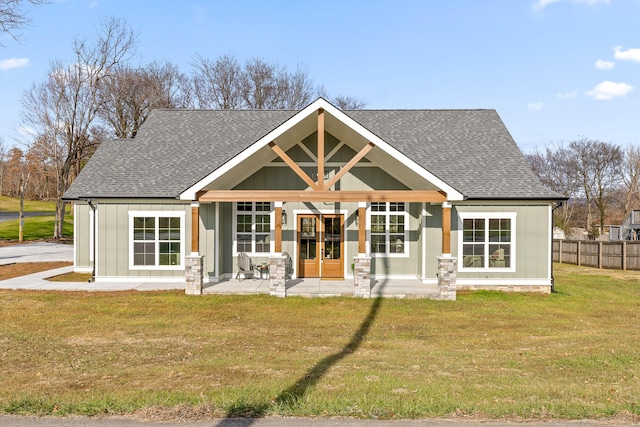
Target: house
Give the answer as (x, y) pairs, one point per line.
(444, 196)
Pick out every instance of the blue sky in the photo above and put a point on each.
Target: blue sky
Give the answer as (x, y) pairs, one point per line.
(555, 70)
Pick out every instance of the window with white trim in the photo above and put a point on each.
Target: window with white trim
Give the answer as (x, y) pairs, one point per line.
(156, 240)
(487, 241)
(253, 227)
(389, 227)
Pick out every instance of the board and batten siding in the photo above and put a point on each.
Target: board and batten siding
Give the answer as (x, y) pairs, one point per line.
(113, 238)
(207, 239)
(82, 237)
(532, 235)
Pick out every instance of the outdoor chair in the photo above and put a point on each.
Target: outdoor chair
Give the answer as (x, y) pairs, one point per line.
(245, 266)
(288, 266)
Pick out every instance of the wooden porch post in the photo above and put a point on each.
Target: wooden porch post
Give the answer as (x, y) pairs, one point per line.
(446, 228)
(362, 227)
(278, 230)
(195, 228)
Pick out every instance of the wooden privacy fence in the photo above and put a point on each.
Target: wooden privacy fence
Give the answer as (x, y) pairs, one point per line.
(623, 255)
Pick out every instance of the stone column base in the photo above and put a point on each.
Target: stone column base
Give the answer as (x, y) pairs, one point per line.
(278, 276)
(193, 274)
(362, 276)
(447, 272)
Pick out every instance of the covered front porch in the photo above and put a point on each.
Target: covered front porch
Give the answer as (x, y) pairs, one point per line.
(318, 288)
(333, 178)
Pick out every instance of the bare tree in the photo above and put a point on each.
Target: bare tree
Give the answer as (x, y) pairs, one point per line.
(13, 16)
(554, 168)
(348, 103)
(258, 85)
(3, 165)
(14, 167)
(42, 170)
(341, 101)
(128, 95)
(295, 90)
(597, 169)
(218, 84)
(64, 107)
(630, 172)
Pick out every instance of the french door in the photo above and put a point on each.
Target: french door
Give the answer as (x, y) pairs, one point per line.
(321, 246)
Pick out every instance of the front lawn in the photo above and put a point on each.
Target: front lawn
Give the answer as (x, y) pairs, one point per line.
(572, 355)
(35, 228)
(12, 204)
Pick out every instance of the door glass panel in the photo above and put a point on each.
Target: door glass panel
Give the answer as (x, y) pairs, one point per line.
(308, 238)
(332, 238)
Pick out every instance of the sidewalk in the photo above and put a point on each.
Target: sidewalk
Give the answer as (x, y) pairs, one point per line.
(36, 252)
(37, 281)
(48, 252)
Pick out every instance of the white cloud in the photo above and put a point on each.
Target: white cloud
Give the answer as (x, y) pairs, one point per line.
(568, 95)
(27, 131)
(626, 55)
(541, 4)
(608, 90)
(604, 65)
(8, 64)
(535, 106)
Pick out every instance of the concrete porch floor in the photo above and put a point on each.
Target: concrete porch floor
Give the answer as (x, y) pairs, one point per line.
(316, 288)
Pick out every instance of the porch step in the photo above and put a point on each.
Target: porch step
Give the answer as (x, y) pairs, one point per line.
(316, 288)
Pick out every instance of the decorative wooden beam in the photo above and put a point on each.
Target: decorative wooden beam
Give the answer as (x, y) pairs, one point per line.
(362, 230)
(432, 196)
(321, 149)
(350, 164)
(278, 231)
(446, 228)
(292, 164)
(195, 228)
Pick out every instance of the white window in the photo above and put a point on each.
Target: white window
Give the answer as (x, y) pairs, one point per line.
(156, 240)
(389, 229)
(487, 241)
(253, 227)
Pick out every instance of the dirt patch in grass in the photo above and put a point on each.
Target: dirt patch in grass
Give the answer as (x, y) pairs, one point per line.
(71, 277)
(183, 412)
(22, 269)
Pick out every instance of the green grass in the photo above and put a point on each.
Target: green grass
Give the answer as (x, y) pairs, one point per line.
(570, 355)
(12, 204)
(35, 228)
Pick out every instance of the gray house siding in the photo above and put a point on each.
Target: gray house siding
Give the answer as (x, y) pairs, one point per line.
(532, 235)
(113, 238)
(82, 237)
(432, 221)
(207, 244)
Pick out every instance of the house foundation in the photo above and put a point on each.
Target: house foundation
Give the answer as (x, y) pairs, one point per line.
(278, 276)
(193, 274)
(447, 272)
(362, 276)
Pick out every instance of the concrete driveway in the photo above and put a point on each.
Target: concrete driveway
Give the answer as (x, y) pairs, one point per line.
(36, 252)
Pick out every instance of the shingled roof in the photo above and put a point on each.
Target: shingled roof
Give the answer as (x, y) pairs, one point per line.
(470, 150)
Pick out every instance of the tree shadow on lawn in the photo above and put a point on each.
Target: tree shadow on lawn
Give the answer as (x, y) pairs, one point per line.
(291, 395)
